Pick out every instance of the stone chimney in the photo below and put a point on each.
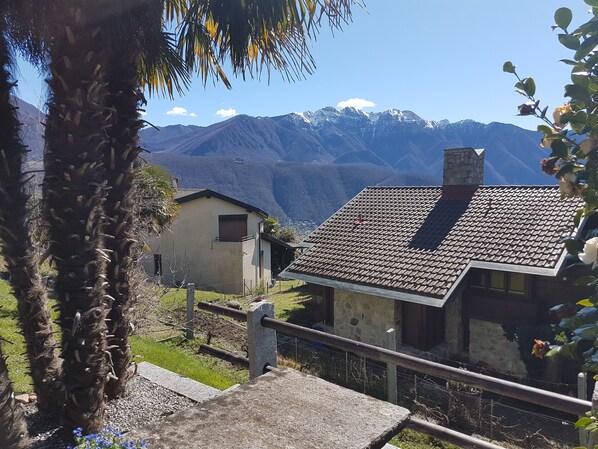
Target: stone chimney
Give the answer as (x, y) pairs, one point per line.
(463, 172)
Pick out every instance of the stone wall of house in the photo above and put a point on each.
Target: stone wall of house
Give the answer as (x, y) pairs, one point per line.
(488, 344)
(364, 317)
(453, 326)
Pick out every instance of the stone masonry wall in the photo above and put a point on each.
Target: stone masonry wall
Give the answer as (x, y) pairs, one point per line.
(453, 326)
(488, 344)
(364, 317)
(463, 166)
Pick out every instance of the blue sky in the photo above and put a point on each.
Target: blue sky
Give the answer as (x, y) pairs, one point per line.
(439, 59)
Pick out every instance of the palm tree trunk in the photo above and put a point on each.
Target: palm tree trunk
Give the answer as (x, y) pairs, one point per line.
(19, 252)
(74, 191)
(124, 98)
(13, 431)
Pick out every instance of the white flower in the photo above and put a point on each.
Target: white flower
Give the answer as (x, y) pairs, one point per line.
(568, 185)
(590, 252)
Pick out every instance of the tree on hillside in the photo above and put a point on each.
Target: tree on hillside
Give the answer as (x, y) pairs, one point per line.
(155, 192)
(286, 234)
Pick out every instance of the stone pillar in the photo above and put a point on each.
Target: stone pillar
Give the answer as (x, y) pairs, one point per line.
(261, 342)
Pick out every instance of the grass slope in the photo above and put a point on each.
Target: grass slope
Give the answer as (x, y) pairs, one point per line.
(13, 344)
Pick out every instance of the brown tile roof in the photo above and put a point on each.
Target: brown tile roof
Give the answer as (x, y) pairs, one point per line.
(409, 239)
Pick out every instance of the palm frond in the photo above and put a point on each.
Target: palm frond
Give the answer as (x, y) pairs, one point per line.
(260, 34)
(162, 70)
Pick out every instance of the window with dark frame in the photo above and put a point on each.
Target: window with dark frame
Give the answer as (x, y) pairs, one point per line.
(500, 281)
(232, 228)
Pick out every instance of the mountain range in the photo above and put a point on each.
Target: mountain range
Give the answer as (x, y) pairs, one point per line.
(302, 167)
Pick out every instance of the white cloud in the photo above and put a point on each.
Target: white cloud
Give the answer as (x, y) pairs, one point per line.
(357, 103)
(226, 113)
(177, 110)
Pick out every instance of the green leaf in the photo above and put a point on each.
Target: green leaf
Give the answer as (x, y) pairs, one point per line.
(578, 121)
(585, 302)
(571, 244)
(508, 67)
(544, 129)
(576, 92)
(582, 422)
(559, 149)
(587, 332)
(585, 280)
(586, 47)
(581, 78)
(543, 114)
(593, 3)
(569, 41)
(563, 17)
(529, 86)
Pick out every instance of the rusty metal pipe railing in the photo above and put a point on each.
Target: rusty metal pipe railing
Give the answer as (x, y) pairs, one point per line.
(507, 388)
(451, 436)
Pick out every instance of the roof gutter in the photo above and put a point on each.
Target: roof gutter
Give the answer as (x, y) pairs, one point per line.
(427, 300)
(420, 299)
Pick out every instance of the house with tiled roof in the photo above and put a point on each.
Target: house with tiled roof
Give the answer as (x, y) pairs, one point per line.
(215, 242)
(447, 267)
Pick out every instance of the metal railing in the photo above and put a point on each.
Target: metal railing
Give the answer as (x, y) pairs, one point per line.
(237, 240)
(502, 387)
(507, 388)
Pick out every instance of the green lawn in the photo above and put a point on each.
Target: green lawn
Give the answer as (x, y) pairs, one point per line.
(186, 362)
(175, 355)
(13, 345)
(410, 439)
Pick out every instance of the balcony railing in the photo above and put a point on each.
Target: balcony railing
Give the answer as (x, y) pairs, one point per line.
(237, 239)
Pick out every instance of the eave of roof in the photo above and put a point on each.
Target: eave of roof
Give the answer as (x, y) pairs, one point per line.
(207, 193)
(272, 239)
(437, 279)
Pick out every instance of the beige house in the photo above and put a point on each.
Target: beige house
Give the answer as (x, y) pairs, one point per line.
(215, 243)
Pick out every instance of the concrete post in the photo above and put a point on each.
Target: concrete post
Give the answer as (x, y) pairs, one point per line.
(391, 370)
(190, 327)
(593, 436)
(261, 342)
(582, 393)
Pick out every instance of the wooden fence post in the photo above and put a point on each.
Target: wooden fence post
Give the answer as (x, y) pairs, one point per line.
(391, 369)
(190, 327)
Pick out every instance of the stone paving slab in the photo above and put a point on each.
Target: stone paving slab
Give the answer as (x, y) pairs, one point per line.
(179, 384)
(281, 409)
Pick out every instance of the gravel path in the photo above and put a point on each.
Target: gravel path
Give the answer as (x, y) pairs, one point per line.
(147, 403)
